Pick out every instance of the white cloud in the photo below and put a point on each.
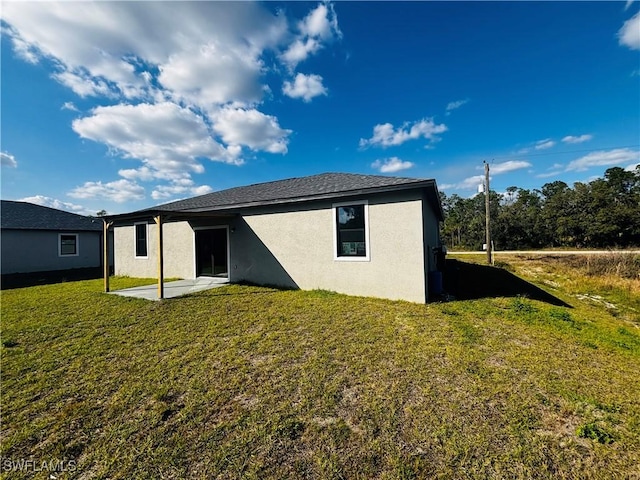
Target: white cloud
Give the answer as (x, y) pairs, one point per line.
(252, 128)
(69, 106)
(118, 191)
(539, 145)
(232, 75)
(320, 25)
(469, 183)
(114, 44)
(577, 139)
(600, 158)
(549, 174)
(391, 165)
(305, 87)
(179, 188)
(58, 204)
(544, 144)
(8, 160)
(299, 50)
(632, 167)
(167, 138)
(143, 173)
(552, 171)
(83, 85)
(509, 166)
(455, 105)
(179, 81)
(23, 49)
(384, 135)
(201, 190)
(629, 34)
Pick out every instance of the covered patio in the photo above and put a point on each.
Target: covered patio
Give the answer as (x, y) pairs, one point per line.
(161, 289)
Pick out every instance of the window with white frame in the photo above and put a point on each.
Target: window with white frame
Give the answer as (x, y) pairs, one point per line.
(141, 239)
(68, 245)
(351, 231)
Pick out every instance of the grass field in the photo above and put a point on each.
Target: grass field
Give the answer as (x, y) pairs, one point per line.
(248, 382)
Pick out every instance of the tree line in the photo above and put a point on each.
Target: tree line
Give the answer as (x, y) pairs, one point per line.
(602, 213)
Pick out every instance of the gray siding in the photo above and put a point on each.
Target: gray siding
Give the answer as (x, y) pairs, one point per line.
(25, 251)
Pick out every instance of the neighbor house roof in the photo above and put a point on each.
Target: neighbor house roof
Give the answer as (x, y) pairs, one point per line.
(28, 216)
(315, 187)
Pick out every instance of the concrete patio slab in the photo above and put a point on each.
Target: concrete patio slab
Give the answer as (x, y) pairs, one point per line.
(173, 289)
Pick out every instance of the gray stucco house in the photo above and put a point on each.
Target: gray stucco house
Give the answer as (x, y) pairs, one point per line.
(363, 235)
(37, 239)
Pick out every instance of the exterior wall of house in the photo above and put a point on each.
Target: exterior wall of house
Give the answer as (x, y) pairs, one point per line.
(293, 246)
(25, 251)
(296, 248)
(179, 256)
(179, 239)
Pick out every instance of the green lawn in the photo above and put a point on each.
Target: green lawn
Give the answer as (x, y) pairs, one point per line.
(248, 382)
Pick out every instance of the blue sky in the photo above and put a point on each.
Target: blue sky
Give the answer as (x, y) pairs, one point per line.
(124, 105)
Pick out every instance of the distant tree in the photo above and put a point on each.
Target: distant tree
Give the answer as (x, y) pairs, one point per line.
(558, 210)
(464, 224)
(101, 213)
(510, 197)
(452, 227)
(602, 213)
(618, 209)
(519, 221)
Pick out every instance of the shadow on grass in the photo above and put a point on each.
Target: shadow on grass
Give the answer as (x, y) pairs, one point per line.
(21, 280)
(469, 281)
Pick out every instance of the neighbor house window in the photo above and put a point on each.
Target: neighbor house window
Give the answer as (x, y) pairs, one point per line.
(141, 239)
(351, 231)
(68, 244)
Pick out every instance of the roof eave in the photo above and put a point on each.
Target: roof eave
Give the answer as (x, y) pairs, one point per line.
(232, 209)
(315, 197)
(167, 214)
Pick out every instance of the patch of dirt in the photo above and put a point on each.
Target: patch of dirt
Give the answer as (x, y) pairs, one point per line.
(261, 359)
(496, 362)
(247, 401)
(562, 428)
(324, 421)
(521, 343)
(595, 299)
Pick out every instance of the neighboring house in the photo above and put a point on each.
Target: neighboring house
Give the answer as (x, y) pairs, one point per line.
(38, 240)
(356, 234)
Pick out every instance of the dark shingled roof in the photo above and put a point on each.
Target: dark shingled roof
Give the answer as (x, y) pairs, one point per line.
(326, 185)
(27, 216)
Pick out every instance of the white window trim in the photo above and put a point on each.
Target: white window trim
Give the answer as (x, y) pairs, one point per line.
(60, 254)
(135, 239)
(336, 257)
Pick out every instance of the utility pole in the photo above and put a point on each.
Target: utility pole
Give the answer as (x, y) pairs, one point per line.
(487, 209)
